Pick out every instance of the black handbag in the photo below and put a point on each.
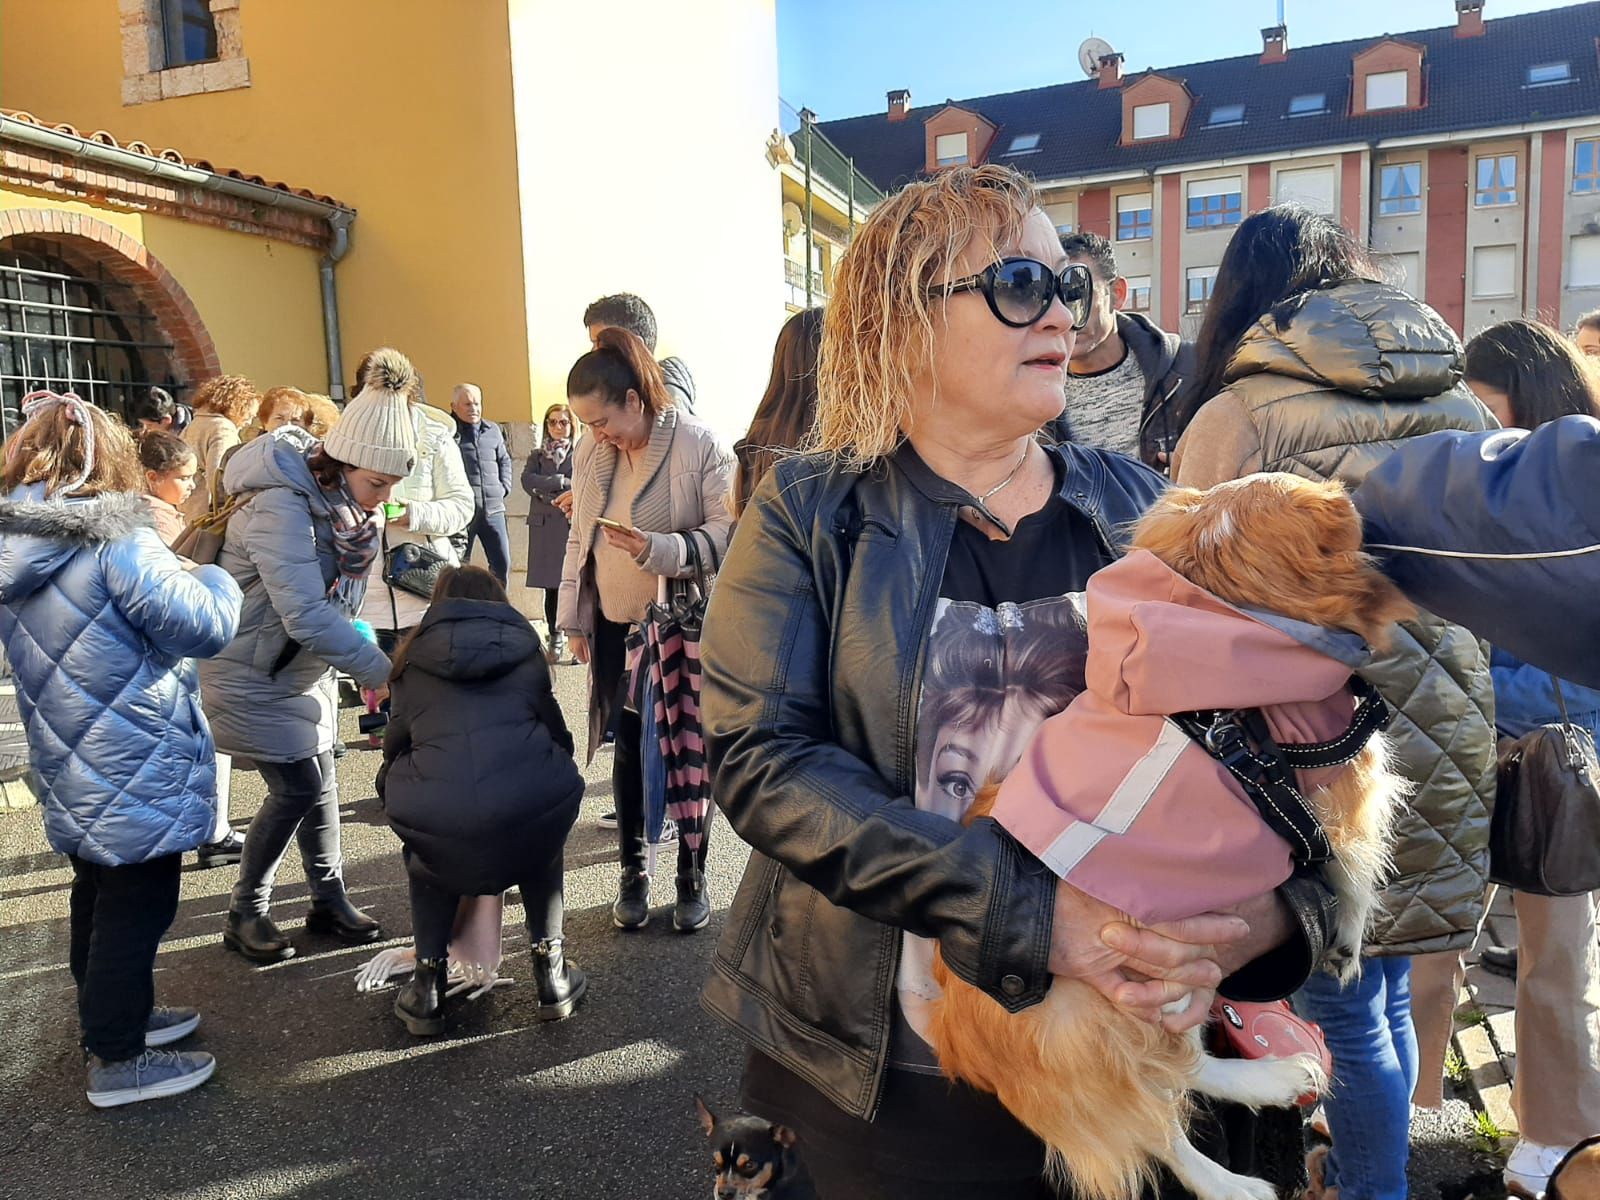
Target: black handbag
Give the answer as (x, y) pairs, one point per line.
(413, 567)
(1544, 837)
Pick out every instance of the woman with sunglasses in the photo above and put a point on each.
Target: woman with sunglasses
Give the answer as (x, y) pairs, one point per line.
(930, 512)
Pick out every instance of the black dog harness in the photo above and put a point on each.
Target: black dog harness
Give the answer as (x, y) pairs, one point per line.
(1240, 740)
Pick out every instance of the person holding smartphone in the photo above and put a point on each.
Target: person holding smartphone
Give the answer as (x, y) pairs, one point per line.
(647, 475)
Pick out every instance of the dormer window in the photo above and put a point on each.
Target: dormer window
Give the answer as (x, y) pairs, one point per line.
(1023, 143)
(1226, 114)
(1151, 121)
(1549, 74)
(950, 149)
(1308, 105)
(1386, 89)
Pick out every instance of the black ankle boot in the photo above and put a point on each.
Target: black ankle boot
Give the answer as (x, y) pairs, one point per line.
(343, 920)
(632, 907)
(420, 1004)
(561, 985)
(692, 910)
(257, 938)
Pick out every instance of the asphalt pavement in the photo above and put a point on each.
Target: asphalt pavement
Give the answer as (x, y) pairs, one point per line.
(319, 1092)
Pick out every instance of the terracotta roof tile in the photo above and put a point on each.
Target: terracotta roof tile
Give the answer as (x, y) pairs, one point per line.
(172, 156)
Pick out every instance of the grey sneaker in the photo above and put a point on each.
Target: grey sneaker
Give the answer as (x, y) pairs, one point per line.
(154, 1074)
(168, 1025)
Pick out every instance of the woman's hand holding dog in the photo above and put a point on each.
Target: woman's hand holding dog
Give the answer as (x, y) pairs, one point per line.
(1144, 969)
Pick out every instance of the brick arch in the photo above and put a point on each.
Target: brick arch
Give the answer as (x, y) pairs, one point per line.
(194, 354)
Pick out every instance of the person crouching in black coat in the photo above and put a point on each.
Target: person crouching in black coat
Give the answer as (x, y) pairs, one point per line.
(479, 783)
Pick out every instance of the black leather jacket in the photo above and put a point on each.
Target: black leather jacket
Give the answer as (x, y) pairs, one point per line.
(813, 657)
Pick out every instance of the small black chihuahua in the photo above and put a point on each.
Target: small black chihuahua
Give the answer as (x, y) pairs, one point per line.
(753, 1159)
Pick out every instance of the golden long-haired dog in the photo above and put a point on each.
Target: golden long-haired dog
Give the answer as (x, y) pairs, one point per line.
(1106, 1091)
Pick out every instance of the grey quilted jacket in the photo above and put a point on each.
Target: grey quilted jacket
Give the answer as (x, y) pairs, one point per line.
(270, 694)
(100, 621)
(1327, 391)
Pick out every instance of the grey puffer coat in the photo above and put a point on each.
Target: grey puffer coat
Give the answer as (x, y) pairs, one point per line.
(100, 621)
(270, 695)
(1327, 393)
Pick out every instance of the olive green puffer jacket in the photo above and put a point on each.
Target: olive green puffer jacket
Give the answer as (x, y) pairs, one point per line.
(1326, 393)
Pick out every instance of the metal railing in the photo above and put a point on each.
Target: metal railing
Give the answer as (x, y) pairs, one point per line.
(822, 161)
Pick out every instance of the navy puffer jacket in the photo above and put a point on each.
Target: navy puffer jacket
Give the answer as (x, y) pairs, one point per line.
(100, 621)
(478, 778)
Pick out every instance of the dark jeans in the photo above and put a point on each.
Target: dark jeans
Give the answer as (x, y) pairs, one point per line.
(491, 528)
(627, 778)
(433, 910)
(118, 917)
(303, 804)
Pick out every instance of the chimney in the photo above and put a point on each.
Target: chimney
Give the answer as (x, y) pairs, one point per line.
(899, 104)
(1110, 70)
(1275, 44)
(1469, 18)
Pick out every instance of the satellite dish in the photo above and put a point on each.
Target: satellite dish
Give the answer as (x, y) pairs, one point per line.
(793, 221)
(1090, 54)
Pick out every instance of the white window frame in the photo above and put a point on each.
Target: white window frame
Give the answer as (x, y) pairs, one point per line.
(1480, 262)
(1145, 124)
(1322, 104)
(1292, 174)
(1017, 146)
(1381, 84)
(1565, 76)
(1589, 244)
(945, 141)
(1137, 202)
(1411, 204)
(1215, 121)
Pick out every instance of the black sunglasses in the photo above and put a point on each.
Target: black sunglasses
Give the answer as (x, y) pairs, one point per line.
(1020, 290)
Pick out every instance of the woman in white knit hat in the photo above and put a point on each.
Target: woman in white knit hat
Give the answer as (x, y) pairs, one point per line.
(434, 503)
(301, 547)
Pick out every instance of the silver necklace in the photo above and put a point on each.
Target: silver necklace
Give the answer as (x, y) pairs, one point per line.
(984, 499)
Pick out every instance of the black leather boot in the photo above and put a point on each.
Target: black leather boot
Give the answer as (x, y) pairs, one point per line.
(343, 920)
(692, 910)
(632, 907)
(420, 1004)
(561, 985)
(257, 938)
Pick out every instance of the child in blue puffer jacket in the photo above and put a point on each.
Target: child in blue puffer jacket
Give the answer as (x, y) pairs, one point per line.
(99, 621)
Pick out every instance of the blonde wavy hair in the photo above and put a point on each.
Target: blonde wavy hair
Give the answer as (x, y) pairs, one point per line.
(232, 396)
(879, 328)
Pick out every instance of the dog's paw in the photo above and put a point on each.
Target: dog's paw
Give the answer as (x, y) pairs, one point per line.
(1343, 961)
(1287, 1081)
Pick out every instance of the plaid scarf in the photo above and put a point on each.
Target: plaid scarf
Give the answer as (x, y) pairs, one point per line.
(355, 544)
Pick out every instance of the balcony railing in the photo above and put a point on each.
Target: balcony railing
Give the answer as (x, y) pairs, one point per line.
(794, 274)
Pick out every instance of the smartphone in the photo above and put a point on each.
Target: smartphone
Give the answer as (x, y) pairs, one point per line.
(372, 723)
(610, 524)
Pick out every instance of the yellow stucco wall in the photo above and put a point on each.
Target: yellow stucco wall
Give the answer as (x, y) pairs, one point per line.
(400, 108)
(641, 152)
(261, 328)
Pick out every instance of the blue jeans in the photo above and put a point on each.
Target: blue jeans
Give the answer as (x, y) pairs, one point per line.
(490, 529)
(1368, 1027)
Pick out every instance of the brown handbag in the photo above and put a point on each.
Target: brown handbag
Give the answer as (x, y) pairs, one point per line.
(1544, 837)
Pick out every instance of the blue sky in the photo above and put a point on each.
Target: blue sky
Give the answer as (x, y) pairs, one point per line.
(839, 57)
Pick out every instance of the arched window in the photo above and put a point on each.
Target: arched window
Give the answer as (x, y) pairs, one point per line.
(67, 325)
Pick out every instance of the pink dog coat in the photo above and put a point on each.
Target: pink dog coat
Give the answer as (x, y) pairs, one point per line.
(1118, 800)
